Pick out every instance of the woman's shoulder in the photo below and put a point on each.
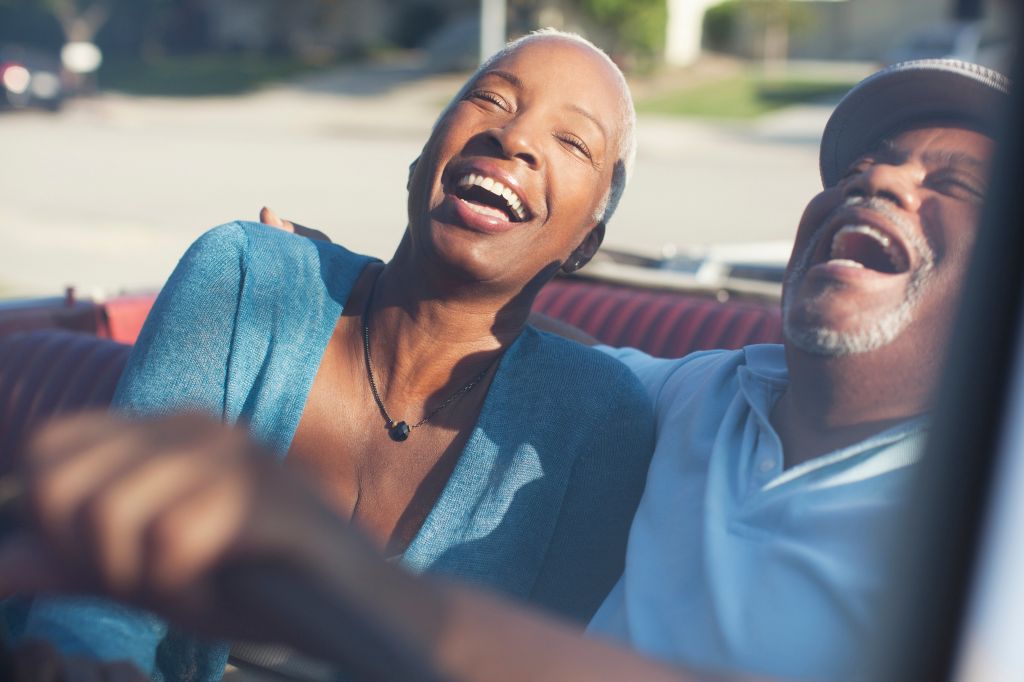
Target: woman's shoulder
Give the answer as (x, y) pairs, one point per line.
(595, 382)
(252, 239)
(268, 257)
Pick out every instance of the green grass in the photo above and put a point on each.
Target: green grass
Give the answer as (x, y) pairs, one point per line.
(743, 96)
(193, 76)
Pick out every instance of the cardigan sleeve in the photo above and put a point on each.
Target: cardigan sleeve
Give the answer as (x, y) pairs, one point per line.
(180, 362)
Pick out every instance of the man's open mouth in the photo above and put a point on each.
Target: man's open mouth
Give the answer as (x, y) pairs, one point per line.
(865, 246)
(487, 196)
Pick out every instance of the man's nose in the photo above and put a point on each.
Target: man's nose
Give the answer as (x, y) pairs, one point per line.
(897, 183)
(517, 139)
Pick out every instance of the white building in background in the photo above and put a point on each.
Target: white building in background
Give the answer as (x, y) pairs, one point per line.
(683, 32)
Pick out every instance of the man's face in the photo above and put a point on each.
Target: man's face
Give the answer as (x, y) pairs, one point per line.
(511, 178)
(882, 255)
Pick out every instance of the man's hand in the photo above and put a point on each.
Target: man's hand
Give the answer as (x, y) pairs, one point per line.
(189, 518)
(152, 511)
(268, 217)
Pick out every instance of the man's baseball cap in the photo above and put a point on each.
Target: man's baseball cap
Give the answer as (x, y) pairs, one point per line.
(899, 95)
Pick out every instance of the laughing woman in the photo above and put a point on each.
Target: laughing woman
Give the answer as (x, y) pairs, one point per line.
(462, 441)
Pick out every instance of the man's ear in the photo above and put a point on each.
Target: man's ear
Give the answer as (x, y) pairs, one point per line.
(412, 169)
(582, 254)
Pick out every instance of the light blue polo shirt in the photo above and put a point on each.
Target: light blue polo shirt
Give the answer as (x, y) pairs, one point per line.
(734, 563)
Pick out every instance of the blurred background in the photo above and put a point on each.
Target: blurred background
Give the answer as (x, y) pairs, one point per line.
(128, 127)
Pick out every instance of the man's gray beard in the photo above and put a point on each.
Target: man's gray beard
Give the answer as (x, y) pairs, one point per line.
(821, 340)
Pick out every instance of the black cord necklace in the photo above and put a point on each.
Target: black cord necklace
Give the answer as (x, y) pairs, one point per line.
(399, 431)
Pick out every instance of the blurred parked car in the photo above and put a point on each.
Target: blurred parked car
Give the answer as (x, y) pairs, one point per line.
(30, 78)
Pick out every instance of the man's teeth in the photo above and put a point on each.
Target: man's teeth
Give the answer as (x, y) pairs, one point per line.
(497, 189)
(877, 235)
(891, 250)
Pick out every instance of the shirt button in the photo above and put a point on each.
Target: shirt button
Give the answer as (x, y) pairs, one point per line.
(767, 465)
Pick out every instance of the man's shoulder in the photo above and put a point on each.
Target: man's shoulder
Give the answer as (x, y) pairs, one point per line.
(704, 374)
(761, 359)
(698, 362)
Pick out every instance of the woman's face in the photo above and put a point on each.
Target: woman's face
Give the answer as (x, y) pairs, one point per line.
(512, 177)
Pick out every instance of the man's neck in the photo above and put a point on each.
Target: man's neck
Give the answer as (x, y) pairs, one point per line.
(832, 403)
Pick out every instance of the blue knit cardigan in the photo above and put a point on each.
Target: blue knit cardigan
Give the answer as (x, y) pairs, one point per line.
(538, 506)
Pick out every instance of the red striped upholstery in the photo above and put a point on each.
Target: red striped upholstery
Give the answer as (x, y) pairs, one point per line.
(44, 373)
(664, 324)
(47, 372)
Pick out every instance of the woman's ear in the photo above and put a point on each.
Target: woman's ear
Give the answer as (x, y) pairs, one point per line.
(412, 169)
(582, 254)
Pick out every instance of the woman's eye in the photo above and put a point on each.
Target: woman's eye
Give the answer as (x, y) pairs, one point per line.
(577, 143)
(488, 96)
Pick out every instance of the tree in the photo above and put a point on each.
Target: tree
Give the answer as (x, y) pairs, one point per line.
(638, 25)
(80, 20)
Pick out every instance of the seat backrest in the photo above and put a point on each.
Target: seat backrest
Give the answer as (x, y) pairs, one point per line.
(664, 324)
(45, 373)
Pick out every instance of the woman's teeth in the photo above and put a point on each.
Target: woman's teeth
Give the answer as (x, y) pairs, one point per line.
(511, 200)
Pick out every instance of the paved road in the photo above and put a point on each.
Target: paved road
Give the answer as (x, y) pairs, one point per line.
(107, 194)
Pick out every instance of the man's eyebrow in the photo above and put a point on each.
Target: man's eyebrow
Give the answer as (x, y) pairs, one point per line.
(583, 112)
(956, 159)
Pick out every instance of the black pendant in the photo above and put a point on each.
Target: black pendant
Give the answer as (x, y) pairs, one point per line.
(399, 432)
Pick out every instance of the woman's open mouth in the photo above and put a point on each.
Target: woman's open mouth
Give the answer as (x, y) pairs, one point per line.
(489, 197)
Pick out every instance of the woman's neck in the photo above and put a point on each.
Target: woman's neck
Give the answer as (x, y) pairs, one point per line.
(428, 340)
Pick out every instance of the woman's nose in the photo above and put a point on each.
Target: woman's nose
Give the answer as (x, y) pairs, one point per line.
(518, 140)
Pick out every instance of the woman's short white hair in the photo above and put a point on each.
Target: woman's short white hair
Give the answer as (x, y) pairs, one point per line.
(626, 156)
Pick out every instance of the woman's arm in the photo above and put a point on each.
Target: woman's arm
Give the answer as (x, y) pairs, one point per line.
(180, 360)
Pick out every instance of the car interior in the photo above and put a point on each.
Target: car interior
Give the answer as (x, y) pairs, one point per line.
(957, 598)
